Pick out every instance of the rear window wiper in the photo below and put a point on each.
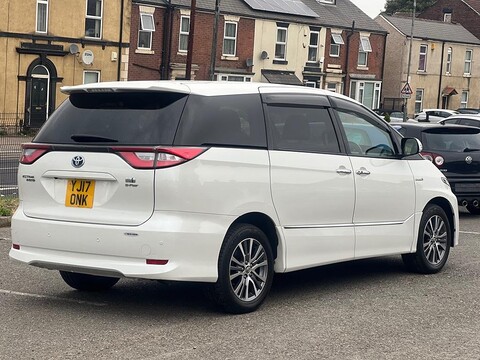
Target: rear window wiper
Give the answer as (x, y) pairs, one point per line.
(91, 138)
(469, 150)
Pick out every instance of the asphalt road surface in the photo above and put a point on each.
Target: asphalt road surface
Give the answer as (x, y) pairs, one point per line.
(369, 309)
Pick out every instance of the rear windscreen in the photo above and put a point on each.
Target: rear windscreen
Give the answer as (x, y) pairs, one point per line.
(463, 141)
(125, 118)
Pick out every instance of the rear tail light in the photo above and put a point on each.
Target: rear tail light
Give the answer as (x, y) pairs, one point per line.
(157, 158)
(32, 152)
(438, 160)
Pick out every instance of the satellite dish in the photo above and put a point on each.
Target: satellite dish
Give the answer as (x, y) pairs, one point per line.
(264, 55)
(87, 57)
(249, 62)
(73, 49)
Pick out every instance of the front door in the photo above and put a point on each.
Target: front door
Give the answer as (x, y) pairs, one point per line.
(39, 96)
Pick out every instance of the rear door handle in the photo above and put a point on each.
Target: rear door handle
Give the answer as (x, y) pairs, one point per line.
(363, 171)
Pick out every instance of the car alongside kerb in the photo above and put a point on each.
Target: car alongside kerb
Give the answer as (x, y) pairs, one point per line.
(223, 183)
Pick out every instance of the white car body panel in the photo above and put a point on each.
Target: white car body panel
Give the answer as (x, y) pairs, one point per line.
(182, 213)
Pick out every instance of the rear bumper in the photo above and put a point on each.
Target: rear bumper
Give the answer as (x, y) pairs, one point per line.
(189, 241)
(465, 189)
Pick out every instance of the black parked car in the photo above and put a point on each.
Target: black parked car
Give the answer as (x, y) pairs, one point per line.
(455, 150)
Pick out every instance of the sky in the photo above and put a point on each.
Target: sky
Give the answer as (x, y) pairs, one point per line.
(371, 7)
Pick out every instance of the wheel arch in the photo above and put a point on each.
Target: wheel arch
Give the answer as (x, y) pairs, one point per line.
(264, 223)
(447, 207)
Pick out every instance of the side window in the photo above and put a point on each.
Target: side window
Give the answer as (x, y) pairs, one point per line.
(365, 137)
(469, 122)
(235, 120)
(297, 128)
(450, 121)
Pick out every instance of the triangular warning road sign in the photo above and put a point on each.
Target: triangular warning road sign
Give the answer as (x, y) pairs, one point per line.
(406, 90)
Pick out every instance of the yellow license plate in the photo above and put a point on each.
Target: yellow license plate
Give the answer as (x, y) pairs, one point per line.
(80, 193)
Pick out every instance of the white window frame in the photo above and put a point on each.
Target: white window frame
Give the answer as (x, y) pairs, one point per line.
(364, 48)
(464, 99)
(448, 66)
(422, 52)
(281, 43)
(447, 17)
(94, 17)
(357, 92)
(328, 1)
(335, 42)
(312, 84)
(37, 19)
(419, 101)
(91, 72)
(229, 77)
(467, 67)
(230, 38)
(313, 47)
(143, 29)
(332, 86)
(183, 33)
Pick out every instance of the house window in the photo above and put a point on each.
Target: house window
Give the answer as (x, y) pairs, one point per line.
(313, 46)
(366, 92)
(311, 84)
(281, 44)
(147, 27)
(332, 87)
(335, 43)
(93, 20)
(228, 77)
(447, 17)
(448, 67)
(464, 99)
(184, 31)
(91, 77)
(328, 1)
(230, 38)
(364, 48)
(418, 100)
(422, 59)
(42, 16)
(467, 69)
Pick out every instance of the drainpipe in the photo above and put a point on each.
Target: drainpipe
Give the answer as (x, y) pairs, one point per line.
(120, 40)
(191, 35)
(345, 81)
(383, 66)
(441, 76)
(166, 41)
(213, 54)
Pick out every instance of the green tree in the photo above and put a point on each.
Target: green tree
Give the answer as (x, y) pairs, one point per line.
(393, 6)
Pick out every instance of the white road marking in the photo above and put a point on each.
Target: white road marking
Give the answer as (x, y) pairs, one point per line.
(9, 292)
(470, 232)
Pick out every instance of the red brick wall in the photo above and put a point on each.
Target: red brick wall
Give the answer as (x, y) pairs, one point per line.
(375, 58)
(461, 14)
(147, 66)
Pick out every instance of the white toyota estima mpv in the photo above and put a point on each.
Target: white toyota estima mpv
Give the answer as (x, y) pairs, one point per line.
(223, 183)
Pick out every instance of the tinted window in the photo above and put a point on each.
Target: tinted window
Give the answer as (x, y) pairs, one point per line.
(450, 121)
(454, 140)
(302, 129)
(126, 118)
(470, 122)
(235, 120)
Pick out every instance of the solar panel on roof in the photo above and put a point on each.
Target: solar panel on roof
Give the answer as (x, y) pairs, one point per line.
(292, 7)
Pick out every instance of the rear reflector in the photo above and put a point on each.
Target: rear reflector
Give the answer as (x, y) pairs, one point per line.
(16, 246)
(156, 262)
(32, 152)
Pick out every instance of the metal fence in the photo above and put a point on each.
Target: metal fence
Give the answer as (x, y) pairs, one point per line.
(12, 135)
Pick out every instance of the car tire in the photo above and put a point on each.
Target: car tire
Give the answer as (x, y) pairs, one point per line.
(85, 282)
(245, 270)
(473, 210)
(433, 243)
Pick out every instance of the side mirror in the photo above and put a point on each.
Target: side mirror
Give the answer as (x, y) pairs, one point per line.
(411, 146)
